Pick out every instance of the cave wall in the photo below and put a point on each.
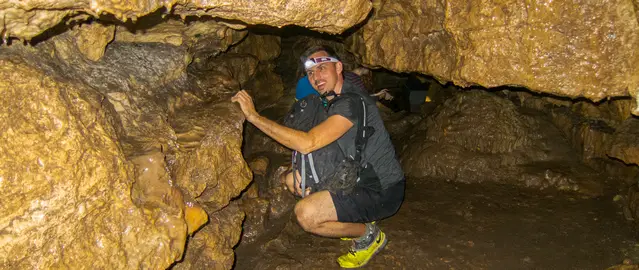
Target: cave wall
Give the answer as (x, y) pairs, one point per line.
(565, 48)
(27, 19)
(572, 49)
(116, 156)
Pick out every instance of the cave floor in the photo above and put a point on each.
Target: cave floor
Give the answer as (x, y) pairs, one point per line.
(444, 225)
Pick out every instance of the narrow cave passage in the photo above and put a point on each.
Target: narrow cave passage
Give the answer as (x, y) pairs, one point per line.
(121, 148)
(497, 179)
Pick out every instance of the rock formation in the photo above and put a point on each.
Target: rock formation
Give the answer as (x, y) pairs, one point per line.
(569, 49)
(477, 136)
(27, 19)
(572, 49)
(66, 182)
(114, 157)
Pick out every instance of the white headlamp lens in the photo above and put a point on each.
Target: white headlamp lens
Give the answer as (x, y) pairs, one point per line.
(311, 62)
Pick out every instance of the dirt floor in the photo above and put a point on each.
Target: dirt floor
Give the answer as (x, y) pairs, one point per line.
(445, 225)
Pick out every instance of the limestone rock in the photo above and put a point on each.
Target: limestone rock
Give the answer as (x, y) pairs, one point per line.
(266, 210)
(93, 38)
(132, 77)
(66, 183)
(140, 86)
(256, 210)
(407, 36)
(266, 88)
(212, 246)
(593, 129)
(241, 67)
(565, 48)
(210, 166)
(624, 267)
(625, 144)
(264, 47)
(28, 19)
(206, 36)
(125, 67)
(477, 136)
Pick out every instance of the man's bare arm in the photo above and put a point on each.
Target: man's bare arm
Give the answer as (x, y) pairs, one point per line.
(305, 142)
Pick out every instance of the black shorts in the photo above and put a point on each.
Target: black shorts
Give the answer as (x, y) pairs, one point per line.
(366, 204)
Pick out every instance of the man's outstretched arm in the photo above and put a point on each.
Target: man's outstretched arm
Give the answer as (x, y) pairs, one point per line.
(305, 142)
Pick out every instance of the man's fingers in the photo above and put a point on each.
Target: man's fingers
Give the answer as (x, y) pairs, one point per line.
(239, 95)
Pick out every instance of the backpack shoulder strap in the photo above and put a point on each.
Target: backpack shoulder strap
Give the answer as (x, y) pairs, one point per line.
(361, 137)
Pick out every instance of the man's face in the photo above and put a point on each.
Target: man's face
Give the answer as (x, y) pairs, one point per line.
(324, 76)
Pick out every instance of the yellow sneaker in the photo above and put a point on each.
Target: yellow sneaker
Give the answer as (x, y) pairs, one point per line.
(359, 257)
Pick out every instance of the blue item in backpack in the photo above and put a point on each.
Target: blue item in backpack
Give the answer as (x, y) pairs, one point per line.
(304, 88)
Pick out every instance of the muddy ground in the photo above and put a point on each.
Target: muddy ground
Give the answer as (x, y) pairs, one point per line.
(444, 225)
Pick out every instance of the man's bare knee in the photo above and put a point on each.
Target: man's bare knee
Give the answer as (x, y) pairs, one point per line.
(314, 210)
(305, 214)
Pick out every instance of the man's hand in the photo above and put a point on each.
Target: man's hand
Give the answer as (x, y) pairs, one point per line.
(292, 185)
(383, 94)
(246, 103)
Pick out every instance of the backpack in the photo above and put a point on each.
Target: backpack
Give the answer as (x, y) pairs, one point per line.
(338, 170)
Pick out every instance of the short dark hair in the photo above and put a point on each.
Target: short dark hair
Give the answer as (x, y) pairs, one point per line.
(318, 48)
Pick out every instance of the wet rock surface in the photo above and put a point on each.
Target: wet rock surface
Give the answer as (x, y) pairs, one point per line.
(28, 19)
(596, 131)
(209, 166)
(66, 182)
(132, 153)
(626, 145)
(211, 247)
(554, 47)
(266, 203)
(477, 136)
(445, 225)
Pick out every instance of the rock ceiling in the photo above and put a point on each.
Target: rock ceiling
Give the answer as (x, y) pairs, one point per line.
(565, 48)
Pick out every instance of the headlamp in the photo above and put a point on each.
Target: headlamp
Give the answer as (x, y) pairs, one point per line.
(311, 62)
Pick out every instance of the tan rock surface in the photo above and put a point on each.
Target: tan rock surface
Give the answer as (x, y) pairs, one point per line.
(212, 246)
(211, 169)
(264, 47)
(131, 86)
(177, 33)
(266, 87)
(266, 202)
(66, 184)
(565, 48)
(625, 144)
(477, 136)
(93, 38)
(241, 67)
(26, 19)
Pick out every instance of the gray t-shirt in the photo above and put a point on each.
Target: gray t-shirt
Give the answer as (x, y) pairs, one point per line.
(379, 150)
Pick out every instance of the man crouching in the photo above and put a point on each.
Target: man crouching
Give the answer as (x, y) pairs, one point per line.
(336, 214)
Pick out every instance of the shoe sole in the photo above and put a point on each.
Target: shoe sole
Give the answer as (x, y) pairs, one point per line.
(381, 247)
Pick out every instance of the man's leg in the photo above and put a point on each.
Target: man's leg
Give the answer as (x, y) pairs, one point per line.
(316, 214)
